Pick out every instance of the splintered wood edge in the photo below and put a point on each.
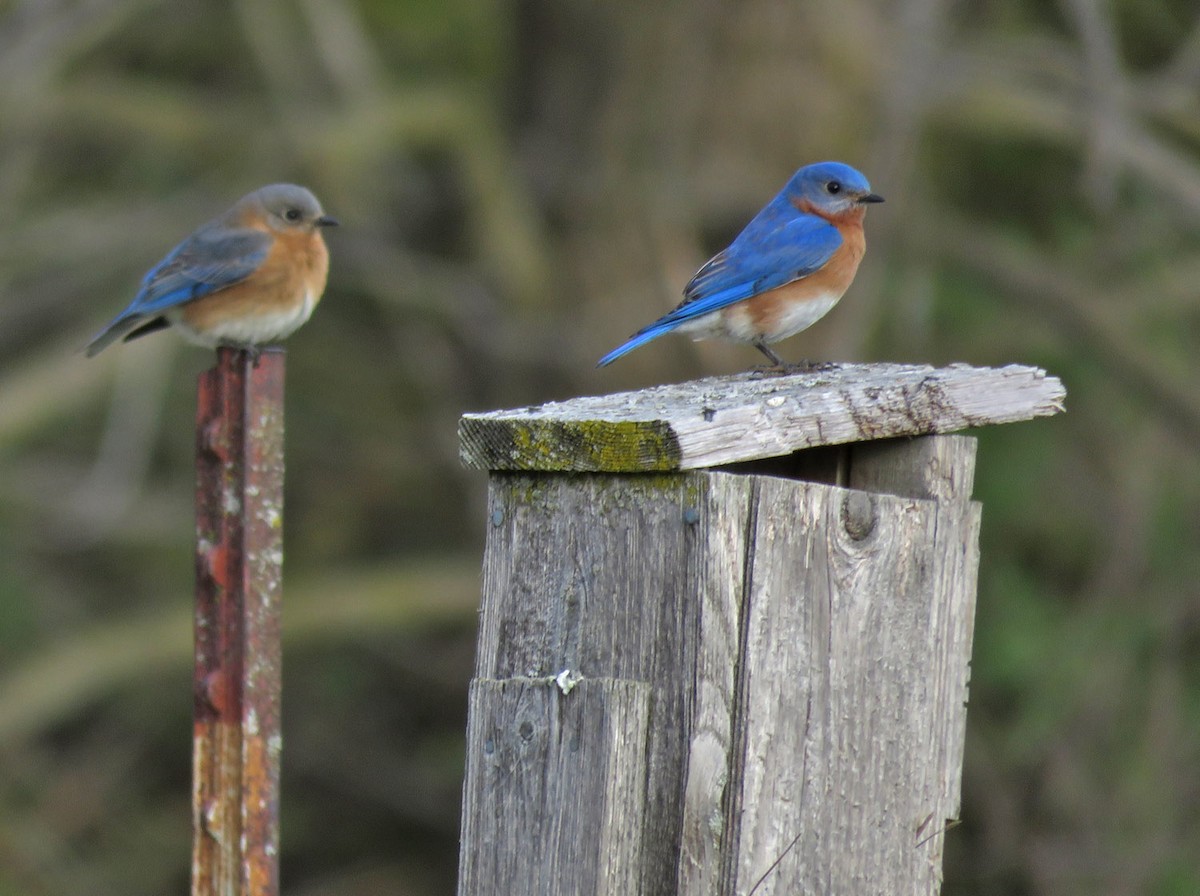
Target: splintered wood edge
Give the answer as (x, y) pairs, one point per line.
(721, 420)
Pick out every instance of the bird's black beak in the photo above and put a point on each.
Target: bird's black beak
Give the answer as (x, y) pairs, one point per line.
(326, 221)
(870, 197)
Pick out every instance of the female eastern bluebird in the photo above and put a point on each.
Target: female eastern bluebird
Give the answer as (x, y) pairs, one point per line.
(781, 274)
(247, 278)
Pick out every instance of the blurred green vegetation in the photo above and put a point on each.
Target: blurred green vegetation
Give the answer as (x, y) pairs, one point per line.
(522, 184)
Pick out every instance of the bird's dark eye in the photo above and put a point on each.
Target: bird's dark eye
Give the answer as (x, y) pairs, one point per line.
(833, 187)
(292, 214)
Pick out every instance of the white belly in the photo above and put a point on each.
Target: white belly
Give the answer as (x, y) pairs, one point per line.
(259, 329)
(737, 324)
(800, 316)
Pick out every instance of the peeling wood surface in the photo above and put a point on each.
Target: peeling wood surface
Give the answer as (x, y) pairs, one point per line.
(723, 420)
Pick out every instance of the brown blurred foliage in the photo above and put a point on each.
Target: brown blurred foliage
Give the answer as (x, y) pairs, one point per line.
(521, 185)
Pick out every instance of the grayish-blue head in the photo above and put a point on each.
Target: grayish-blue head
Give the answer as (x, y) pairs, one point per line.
(282, 208)
(831, 188)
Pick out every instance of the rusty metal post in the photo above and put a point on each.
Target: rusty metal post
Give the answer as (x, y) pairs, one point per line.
(239, 560)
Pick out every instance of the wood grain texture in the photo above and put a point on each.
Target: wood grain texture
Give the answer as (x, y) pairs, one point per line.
(804, 652)
(942, 468)
(609, 576)
(853, 687)
(723, 420)
(552, 782)
(708, 761)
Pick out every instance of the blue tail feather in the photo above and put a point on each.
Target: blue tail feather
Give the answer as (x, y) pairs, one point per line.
(638, 339)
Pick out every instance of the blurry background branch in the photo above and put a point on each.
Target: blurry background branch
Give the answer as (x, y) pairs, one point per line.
(407, 599)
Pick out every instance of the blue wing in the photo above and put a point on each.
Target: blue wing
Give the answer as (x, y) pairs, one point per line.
(212, 258)
(768, 253)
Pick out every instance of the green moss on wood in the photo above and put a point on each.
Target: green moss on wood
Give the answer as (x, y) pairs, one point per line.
(580, 446)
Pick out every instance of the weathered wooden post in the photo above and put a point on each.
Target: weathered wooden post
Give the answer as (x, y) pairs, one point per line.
(725, 633)
(239, 560)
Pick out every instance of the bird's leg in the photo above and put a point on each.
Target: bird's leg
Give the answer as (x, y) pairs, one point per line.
(775, 360)
(780, 366)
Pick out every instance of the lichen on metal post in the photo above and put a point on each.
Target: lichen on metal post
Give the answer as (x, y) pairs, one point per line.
(239, 565)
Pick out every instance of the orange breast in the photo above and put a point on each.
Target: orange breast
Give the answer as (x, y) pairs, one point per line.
(292, 276)
(788, 309)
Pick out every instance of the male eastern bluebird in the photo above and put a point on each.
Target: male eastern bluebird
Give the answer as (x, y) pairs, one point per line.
(782, 273)
(247, 278)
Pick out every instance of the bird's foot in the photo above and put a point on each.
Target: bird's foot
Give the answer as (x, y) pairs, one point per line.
(253, 352)
(788, 367)
(814, 366)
